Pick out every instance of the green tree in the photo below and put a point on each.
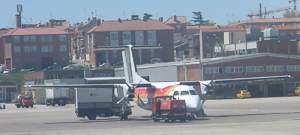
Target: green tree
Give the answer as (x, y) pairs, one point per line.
(198, 19)
(147, 16)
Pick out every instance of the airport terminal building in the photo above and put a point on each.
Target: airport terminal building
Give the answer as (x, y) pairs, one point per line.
(255, 65)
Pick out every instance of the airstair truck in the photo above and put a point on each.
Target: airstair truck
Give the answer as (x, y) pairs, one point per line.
(102, 102)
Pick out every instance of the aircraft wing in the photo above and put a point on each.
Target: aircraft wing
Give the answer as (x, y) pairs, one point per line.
(75, 86)
(252, 79)
(207, 82)
(104, 78)
(208, 85)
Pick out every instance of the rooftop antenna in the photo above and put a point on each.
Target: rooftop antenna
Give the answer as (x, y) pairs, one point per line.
(294, 4)
(19, 16)
(19, 9)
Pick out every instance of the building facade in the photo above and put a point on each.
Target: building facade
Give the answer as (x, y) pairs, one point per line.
(2, 33)
(255, 65)
(36, 48)
(108, 37)
(79, 40)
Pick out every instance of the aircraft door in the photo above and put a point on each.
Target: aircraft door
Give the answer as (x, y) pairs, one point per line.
(176, 94)
(151, 94)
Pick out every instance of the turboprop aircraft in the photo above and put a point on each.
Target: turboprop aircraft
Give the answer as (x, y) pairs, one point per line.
(145, 91)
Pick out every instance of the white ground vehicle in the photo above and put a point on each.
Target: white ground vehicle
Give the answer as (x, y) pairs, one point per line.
(59, 96)
(103, 102)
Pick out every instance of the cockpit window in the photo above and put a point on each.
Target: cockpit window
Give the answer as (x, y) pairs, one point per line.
(193, 92)
(184, 93)
(176, 93)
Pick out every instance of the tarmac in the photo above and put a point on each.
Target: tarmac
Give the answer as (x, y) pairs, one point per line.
(256, 116)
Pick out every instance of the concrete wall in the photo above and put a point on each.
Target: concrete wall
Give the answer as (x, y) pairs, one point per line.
(168, 73)
(192, 73)
(39, 95)
(165, 73)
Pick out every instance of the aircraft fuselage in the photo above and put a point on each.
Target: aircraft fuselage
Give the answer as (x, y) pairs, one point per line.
(145, 95)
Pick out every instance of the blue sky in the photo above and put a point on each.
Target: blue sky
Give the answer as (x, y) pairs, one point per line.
(220, 11)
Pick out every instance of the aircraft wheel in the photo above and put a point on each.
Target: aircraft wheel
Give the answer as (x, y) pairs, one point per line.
(155, 120)
(92, 116)
(182, 120)
(125, 116)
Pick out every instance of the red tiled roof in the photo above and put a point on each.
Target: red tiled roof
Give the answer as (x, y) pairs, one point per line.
(130, 25)
(3, 32)
(36, 31)
(180, 19)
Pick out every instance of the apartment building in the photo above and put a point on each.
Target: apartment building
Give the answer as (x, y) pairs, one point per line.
(2, 33)
(36, 47)
(107, 38)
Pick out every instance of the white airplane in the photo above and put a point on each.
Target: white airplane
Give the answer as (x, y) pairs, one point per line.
(144, 90)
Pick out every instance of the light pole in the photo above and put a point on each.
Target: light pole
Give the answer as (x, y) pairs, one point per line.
(200, 36)
(184, 67)
(201, 54)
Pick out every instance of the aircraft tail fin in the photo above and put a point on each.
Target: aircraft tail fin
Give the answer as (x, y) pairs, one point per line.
(130, 72)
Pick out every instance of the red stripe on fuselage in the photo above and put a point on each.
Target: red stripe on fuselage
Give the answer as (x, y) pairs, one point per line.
(149, 92)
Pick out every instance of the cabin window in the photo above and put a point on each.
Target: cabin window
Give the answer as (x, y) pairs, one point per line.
(193, 92)
(176, 93)
(184, 93)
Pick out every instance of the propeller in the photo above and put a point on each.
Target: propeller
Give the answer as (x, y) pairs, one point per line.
(131, 87)
(209, 87)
